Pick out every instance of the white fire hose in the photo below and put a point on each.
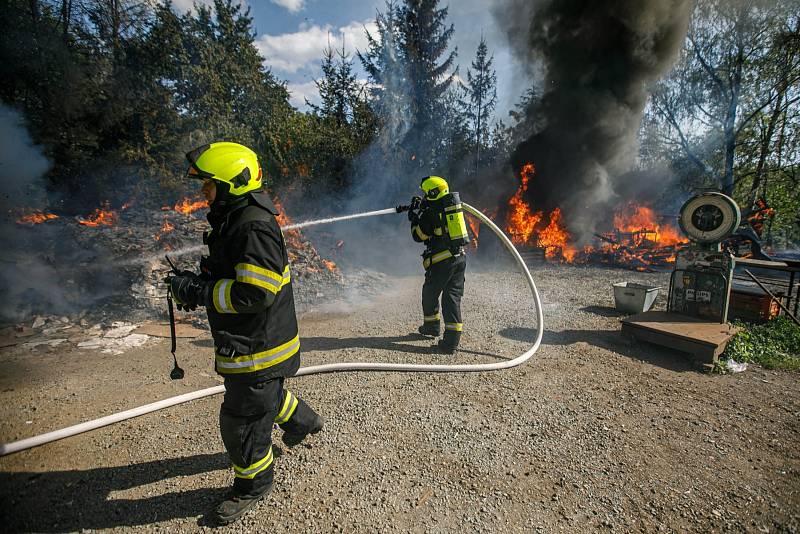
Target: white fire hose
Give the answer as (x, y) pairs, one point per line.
(41, 439)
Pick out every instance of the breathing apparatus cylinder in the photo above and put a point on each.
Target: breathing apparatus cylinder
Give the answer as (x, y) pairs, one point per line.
(453, 219)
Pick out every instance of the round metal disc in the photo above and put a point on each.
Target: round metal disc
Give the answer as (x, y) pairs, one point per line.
(709, 217)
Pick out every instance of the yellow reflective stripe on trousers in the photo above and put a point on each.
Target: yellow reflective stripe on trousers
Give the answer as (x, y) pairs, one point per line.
(253, 469)
(453, 326)
(249, 363)
(287, 409)
(436, 258)
(222, 296)
(258, 276)
(431, 318)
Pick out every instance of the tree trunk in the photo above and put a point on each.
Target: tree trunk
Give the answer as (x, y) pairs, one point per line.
(759, 179)
(66, 16)
(730, 124)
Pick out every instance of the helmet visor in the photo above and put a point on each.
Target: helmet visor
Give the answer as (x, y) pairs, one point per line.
(194, 171)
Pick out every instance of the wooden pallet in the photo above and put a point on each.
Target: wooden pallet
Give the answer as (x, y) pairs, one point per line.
(702, 339)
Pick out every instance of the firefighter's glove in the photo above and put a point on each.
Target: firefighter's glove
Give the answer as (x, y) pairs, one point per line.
(413, 217)
(188, 290)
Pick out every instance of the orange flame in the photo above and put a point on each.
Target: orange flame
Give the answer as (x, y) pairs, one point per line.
(293, 240)
(521, 222)
(475, 227)
(166, 228)
(187, 205)
(555, 239)
(102, 216)
(642, 222)
(331, 266)
(37, 217)
(638, 239)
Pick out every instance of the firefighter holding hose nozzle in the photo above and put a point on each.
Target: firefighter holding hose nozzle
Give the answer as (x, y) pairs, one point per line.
(245, 285)
(438, 222)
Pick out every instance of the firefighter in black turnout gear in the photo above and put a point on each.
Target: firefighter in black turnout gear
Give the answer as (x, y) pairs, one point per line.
(438, 221)
(246, 286)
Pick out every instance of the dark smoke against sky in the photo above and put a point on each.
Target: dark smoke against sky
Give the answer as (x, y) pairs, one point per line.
(592, 61)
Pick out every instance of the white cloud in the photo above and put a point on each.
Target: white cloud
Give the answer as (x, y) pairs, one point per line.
(291, 52)
(355, 36)
(182, 6)
(292, 5)
(299, 92)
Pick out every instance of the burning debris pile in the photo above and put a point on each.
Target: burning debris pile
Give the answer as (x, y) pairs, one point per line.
(634, 238)
(120, 270)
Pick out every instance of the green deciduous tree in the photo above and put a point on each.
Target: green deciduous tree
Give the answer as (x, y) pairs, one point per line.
(721, 118)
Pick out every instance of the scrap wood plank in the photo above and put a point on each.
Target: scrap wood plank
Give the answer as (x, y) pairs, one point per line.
(704, 339)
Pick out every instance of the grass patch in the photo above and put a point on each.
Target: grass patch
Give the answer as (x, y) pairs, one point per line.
(773, 345)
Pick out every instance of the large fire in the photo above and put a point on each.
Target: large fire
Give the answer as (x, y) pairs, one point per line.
(37, 217)
(102, 216)
(638, 239)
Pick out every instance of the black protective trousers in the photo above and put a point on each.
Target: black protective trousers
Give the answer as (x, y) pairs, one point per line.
(245, 422)
(445, 279)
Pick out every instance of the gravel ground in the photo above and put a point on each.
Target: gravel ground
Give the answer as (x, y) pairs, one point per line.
(594, 433)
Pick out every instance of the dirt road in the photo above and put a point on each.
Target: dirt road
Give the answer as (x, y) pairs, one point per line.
(596, 432)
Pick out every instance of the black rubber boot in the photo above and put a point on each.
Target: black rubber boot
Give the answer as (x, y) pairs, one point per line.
(236, 505)
(445, 348)
(291, 439)
(429, 329)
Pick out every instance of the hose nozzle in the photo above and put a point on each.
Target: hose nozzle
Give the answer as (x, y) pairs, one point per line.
(416, 203)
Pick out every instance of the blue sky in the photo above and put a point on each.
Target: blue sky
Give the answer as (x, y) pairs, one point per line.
(291, 35)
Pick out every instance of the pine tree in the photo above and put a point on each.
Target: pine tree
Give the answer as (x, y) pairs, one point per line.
(409, 67)
(389, 76)
(338, 88)
(482, 94)
(341, 126)
(424, 38)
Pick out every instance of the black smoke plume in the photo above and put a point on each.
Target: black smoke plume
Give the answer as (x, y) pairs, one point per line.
(593, 61)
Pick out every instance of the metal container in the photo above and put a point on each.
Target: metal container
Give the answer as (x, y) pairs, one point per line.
(630, 297)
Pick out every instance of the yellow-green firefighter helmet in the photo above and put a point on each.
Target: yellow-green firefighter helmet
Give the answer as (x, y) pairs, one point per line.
(230, 163)
(435, 187)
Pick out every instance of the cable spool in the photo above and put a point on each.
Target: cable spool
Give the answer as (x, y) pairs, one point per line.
(709, 218)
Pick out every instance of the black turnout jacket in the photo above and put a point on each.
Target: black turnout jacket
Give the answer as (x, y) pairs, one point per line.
(251, 308)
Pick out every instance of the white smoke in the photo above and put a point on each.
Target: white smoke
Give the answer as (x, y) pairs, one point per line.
(22, 163)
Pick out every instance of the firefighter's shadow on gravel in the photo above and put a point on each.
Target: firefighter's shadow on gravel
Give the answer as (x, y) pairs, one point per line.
(393, 343)
(107, 497)
(610, 340)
